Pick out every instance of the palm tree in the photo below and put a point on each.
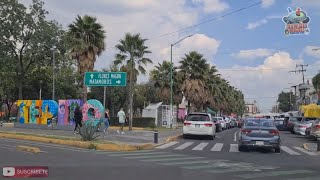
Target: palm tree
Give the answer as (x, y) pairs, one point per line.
(86, 37)
(161, 76)
(194, 67)
(132, 47)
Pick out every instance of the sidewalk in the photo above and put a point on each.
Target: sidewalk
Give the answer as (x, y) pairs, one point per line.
(134, 137)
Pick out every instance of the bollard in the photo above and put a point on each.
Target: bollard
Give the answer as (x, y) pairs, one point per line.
(155, 136)
(1, 123)
(318, 142)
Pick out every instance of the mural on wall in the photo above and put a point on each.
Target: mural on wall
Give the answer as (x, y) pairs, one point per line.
(37, 111)
(93, 110)
(66, 111)
(40, 111)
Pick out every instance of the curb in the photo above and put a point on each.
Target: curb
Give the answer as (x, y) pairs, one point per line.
(28, 149)
(80, 144)
(169, 139)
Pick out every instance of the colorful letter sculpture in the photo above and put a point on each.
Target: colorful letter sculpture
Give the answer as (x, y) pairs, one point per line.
(93, 110)
(66, 111)
(37, 111)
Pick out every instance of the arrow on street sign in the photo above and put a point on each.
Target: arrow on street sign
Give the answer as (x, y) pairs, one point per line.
(105, 79)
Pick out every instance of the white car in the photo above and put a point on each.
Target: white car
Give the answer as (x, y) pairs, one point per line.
(199, 124)
(223, 123)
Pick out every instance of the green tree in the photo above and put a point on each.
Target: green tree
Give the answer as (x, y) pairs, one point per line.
(284, 101)
(316, 84)
(25, 33)
(86, 40)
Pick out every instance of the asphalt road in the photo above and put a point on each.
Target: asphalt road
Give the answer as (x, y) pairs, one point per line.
(184, 159)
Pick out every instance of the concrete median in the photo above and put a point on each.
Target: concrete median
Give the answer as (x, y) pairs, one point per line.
(108, 146)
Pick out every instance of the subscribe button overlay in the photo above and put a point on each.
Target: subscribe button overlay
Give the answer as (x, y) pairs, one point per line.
(25, 171)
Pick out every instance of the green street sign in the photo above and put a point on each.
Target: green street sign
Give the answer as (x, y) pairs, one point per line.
(105, 79)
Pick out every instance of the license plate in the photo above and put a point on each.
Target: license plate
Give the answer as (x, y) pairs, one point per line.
(259, 143)
(197, 125)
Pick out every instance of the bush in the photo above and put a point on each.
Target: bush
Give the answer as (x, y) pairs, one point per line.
(136, 122)
(88, 131)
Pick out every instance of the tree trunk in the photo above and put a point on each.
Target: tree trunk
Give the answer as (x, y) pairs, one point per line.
(84, 93)
(188, 107)
(20, 89)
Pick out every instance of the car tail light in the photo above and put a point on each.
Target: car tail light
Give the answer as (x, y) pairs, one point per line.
(274, 132)
(245, 131)
(186, 123)
(208, 125)
(301, 126)
(317, 126)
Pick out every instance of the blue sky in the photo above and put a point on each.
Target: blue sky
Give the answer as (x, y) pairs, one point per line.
(249, 48)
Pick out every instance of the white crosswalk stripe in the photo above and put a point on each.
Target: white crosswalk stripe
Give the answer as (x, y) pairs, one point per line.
(167, 145)
(184, 145)
(289, 151)
(217, 147)
(200, 147)
(233, 148)
(305, 151)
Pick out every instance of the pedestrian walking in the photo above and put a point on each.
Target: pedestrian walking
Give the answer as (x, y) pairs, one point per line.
(106, 121)
(78, 119)
(122, 118)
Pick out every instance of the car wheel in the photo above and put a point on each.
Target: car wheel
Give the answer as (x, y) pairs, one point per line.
(277, 149)
(242, 148)
(185, 136)
(292, 132)
(211, 137)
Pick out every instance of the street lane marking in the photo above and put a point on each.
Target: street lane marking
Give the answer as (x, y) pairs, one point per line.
(172, 159)
(305, 151)
(200, 147)
(186, 162)
(217, 147)
(235, 136)
(155, 156)
(274, 173)
(234, 148)
(135, 154)
(183, 146)
(289, 151)
(122, 152)
(167, 145)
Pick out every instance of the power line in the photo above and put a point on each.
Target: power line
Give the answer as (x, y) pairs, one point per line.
(204, 22)
(301, 70)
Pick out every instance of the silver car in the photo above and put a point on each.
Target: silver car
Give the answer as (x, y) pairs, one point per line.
(315, 129)
(300, 127)
(259, 133)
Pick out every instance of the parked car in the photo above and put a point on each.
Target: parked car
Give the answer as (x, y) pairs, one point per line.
(199, 124)
(259, 133)
(223, 123)
(291, 122)
(300, 127)
(315, 129)
(228, 121)
(218, 124)
(280, 124)
(233, 123)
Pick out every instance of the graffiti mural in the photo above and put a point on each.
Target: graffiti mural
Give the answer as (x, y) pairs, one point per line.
(40, 111)
(66, 111)
(37, 111)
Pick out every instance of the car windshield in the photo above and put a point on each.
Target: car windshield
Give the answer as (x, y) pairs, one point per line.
(309, 119)
(198, 117)
(258, 122)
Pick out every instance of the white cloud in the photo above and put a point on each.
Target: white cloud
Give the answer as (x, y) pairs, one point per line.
(253, 53)
(199, 42)
(313, 51)
(264, 82)
(261, 22)
(267, 3)
(212, 6)
(304, 3)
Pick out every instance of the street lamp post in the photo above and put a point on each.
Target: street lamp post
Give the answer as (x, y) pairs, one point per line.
(171, 81)
(53, 71)
(40, 93)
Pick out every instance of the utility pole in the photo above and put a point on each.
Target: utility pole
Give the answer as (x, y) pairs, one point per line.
(131, 91)
(301, 70)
